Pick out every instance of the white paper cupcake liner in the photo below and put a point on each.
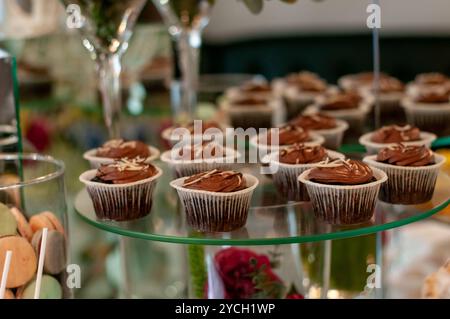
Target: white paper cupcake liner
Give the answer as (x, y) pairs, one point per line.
(373, 148)
(216, 212)
(286, 177)
(334, 136)
(183, 168)
(315, 139)
(121, 202)
(430, 117)
(407, 185)
(256, 116)
(96, 161)
(342, 204)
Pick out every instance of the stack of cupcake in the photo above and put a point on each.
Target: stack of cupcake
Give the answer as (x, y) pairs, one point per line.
(253, 105)
(23, 238)
(427, 104)
(299, 90)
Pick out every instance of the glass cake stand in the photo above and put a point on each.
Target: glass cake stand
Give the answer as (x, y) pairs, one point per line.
(272, 219)
(313, 251)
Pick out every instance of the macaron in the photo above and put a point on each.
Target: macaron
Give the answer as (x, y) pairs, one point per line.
(23, 226)
(46, 220)
(12, 193)
(55, 253)
(9, 294)
(23, 260)
(50, 289)
(8, 224)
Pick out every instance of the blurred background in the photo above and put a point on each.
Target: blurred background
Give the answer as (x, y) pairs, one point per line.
(61, 113)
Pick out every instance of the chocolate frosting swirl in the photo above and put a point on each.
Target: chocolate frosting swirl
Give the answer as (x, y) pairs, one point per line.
(391, 84)
(340, 172)
(256, 87)
(432, 78)
(301, 154)
(117, 149)
(314, 122)
(205, 126)
(289, 135)
(308, 83)
(401, 155)
(216, 181)
(341, 101)
(396, 134)
(295, 78)
(437, 96)
(124, 172)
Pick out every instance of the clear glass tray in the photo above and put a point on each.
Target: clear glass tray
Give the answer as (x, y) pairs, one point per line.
(272, 220)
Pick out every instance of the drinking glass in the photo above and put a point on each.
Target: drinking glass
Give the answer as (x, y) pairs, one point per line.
(106, 27)
(185, 20)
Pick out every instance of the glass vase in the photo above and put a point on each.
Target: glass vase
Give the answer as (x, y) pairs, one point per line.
(32, 198)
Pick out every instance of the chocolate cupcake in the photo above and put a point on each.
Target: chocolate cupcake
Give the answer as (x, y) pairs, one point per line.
(431, 78)
(196, 158)
(343, 192)
(216, 201)
(293, 161)
(301, 90)
(251, 89)
(122, 190)
(393, 134)
(330, 128)
(429, 109)
(117, 149)
(348, 106)
(287, 135)
(252, 111)
(412, 172)
(355, 82)
(391, 91)
(197, 130)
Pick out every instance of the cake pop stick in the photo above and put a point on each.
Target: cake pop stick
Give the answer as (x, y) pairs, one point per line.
(41, 263)
(5, 273)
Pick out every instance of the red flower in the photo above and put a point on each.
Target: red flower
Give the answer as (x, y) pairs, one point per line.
(246, 274)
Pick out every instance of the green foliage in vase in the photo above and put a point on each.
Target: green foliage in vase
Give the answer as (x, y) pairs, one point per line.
(104, 16)
(199, 277)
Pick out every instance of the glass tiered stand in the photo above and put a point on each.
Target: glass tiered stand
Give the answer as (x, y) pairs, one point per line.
(307, 256)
